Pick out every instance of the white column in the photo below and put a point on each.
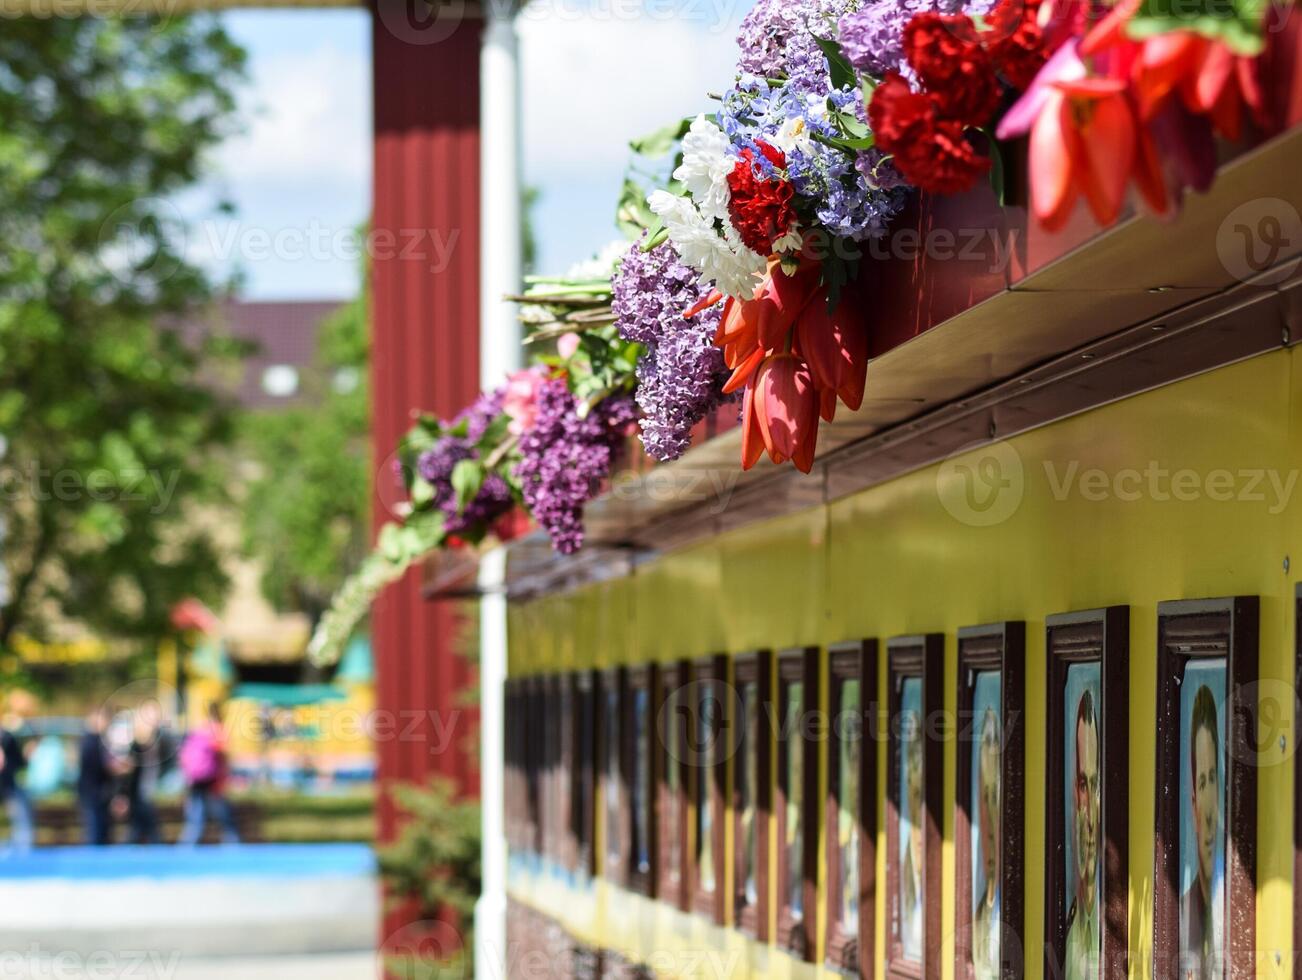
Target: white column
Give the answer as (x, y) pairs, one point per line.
(500, 352)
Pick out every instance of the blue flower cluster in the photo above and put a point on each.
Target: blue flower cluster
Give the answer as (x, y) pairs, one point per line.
(848, 202)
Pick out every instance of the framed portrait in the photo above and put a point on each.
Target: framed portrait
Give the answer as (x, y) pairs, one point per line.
(1204, 916)
(671, 714)
(851, 808)
(614, 805)
(638, 736)
(796, 799)
(707, 761)
(583, 739)
(989, 815)
(1086, 816)
(752, 791)
(914, 764)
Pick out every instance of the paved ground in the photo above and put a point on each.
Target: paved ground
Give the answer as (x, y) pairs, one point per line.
(337, 966)
(341, 966)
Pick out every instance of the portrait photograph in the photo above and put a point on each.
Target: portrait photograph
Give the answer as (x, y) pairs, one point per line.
(911, 856)
(1082, 820)
(986, 793)
(1202, 819)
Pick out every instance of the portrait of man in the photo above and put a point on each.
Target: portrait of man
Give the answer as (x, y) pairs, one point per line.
(910, 821)
(1202, 838)
(986, 750)
(1084, 951)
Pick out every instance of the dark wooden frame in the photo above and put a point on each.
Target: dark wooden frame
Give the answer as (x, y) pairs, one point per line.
(612, 863)
(921, 656)
(641, 678)
(849, 952)
(1191, 630)
(757, 668)
(583, 774)
(797, 935)
(1099, 636)
(672, 805)
(710, 673)
(1001, 647)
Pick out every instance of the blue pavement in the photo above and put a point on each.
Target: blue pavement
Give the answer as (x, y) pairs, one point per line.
(170, 861)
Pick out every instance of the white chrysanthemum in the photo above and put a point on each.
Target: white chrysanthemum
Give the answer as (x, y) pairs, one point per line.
(705, 167)
(721, 260)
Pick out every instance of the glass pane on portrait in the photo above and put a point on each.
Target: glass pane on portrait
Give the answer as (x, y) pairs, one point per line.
(911, 858)
(748, 780)
(1082, 813)
(641, 790)
(849, 744)
(795, 795)
(986, 791)
(1201, 760)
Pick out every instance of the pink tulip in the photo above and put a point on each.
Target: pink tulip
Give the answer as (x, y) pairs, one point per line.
(521, 401)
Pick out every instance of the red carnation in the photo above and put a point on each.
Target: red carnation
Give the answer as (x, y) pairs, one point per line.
(952, 66)
(1020, 55)
(942, 160)
(760, 208)
(930, 152)
(896, 111)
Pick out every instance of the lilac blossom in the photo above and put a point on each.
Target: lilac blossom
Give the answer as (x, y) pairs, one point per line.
(564, 459)
(680, 372)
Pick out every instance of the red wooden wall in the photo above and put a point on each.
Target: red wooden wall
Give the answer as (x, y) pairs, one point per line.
(425, 356)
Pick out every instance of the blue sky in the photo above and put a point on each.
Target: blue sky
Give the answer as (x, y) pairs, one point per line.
(595, 74)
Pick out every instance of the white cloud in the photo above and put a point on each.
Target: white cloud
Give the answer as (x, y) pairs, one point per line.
(594, 82)
(308, 120)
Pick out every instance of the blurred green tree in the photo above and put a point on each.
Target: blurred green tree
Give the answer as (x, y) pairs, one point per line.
(307, 510)
(109, 429)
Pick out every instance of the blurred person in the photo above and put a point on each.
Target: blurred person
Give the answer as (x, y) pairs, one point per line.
(148, 756)
(204, 764)
(15, 745)
(96, 778)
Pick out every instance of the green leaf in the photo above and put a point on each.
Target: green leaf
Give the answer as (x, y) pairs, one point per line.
(997, 174)
(467, 478)
(660, 141)
(1238, 23)
(422, 492)
(838, 66)
(655, 235)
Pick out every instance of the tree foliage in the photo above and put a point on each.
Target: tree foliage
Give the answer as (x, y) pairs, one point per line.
(110, 429)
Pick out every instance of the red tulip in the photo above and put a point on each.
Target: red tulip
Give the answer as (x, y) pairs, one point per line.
(786, 404)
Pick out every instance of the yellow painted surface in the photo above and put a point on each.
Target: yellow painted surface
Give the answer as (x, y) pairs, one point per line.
(1189, 491)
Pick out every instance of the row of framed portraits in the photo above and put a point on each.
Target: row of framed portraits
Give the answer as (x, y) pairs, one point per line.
(625, 773)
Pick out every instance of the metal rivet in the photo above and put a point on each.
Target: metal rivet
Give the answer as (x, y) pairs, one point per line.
(1286, 563)
(1087, 357)
(1283, 744)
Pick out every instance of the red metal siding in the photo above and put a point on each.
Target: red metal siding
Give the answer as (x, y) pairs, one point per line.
(425, 356)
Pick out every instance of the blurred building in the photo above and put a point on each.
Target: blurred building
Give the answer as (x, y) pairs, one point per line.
(290, 723)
